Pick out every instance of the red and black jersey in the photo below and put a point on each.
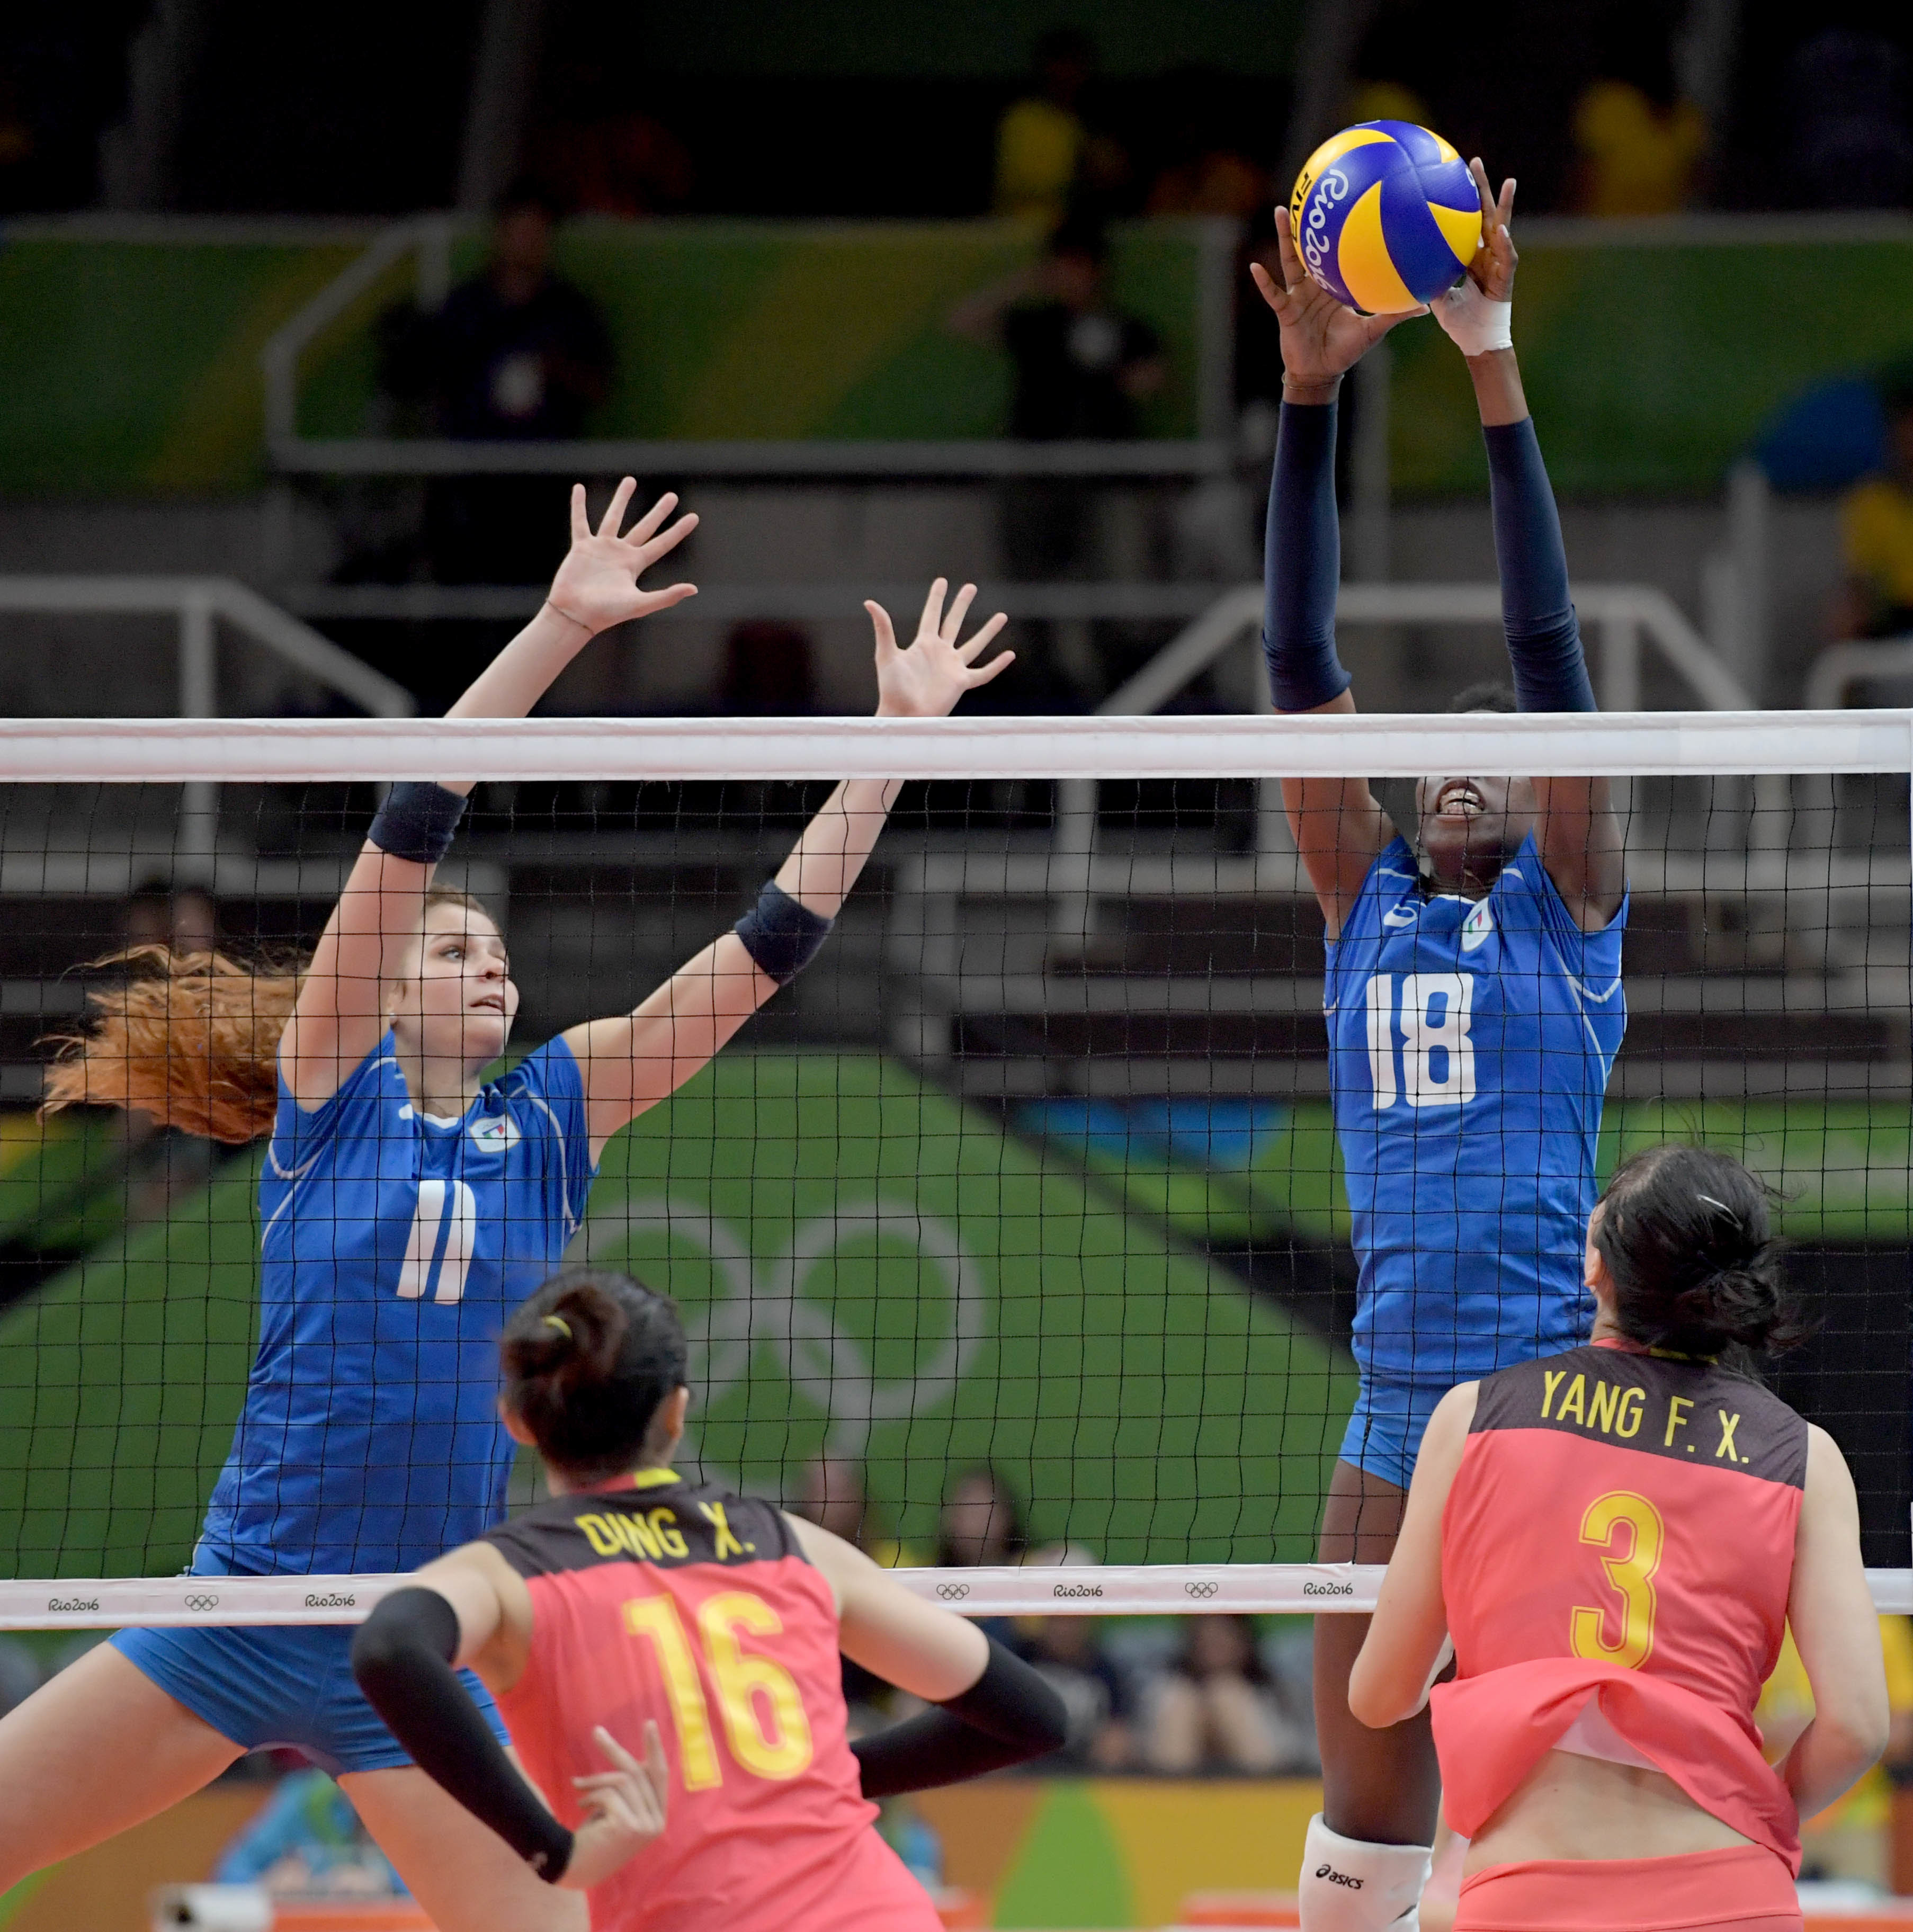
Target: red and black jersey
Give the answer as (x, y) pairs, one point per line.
(695, 1607)
(1621, 1525)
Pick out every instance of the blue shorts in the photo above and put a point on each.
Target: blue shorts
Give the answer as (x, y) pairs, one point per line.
(288, 1685)
(1384, 1432)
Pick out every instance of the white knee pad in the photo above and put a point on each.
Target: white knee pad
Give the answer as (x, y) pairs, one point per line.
(1348, 1886)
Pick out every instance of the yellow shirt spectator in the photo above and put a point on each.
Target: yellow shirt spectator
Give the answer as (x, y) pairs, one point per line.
(1039, 147)
(1876, 539)
(1785, 1708)
(1637, 158)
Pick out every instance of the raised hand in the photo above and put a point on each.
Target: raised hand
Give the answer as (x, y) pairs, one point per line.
(1321, 339)
(1492, 271)
(596, 586)
(625, 1808)
(926, 680)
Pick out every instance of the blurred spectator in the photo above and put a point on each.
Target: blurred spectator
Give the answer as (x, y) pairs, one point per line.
(1852, 1839)
(982, 1524)
(184, 919)
(1040, 141)
(308, 1839)
(625, 164)
(1851, 147)
(1206, 174)
(1216, 1709)
(830, 1493)
(516, 354)
(769, 671)
(1639, 144)
(1069, 1652)
(1081, 365)
(1876, 529)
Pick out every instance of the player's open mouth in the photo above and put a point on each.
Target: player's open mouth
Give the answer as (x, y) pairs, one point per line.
(1460, 796)
(489, 1003)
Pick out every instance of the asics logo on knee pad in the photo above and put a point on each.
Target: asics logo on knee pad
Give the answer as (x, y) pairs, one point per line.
(1335, 1877)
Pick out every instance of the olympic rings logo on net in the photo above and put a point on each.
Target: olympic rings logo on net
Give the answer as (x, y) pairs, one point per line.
(762, 1305)
(1202, 1588)
(201, 1602)
(953, 1593)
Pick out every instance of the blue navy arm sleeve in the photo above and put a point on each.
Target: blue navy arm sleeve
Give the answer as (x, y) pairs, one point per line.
(1543, 633)
(1302, 561)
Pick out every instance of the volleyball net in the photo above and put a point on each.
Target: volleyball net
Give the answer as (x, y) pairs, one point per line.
(1034, 1175)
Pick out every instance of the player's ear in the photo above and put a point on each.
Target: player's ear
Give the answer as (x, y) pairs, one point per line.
(667, 1424)
(515, 1423)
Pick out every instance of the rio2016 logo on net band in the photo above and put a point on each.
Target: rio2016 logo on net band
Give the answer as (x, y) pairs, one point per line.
(1332, 187)
(763, 1305)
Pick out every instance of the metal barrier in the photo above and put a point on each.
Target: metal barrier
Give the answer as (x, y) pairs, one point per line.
(1625, 618)
(1839, 667)
(201, 604)
(430, 239)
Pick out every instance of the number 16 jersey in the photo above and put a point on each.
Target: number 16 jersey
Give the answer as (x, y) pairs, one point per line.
(696, 1609)
(1470, 1044)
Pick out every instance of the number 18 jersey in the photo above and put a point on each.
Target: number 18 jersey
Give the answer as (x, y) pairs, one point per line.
(1470, 1044)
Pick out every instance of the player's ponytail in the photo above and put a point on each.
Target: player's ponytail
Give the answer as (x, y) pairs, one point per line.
(1686, 1235)
(588, 1359)
(191, 1038)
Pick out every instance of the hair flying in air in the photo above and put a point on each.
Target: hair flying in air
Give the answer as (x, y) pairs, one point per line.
(191, 1039)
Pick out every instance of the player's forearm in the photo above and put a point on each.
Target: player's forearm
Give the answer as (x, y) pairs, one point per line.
(525, 669)
(1537, 611)
(1828, 1758)
(1498, 394)
(824, 862)
(1301, 563)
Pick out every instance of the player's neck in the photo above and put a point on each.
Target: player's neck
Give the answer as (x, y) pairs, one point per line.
(440, 1086)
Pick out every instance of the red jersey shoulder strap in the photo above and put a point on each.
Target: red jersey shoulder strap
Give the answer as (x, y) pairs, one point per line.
(1693, 1413)
(668, 1525)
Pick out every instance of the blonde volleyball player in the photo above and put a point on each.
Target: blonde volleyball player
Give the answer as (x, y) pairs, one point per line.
(1617, 1539)
(407, 1205)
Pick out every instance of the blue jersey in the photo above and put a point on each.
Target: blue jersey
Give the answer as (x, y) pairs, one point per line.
(394, 1244)
(1470, 1042)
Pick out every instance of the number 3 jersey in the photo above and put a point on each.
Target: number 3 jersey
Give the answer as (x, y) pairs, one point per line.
(696, 1609)
(1617, 1556)
(393, 1246)
(1470, 1042)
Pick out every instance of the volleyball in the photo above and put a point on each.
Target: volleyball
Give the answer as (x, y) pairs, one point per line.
(1385, 216)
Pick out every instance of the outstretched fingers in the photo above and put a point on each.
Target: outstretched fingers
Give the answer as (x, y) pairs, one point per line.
(647, 526)
(880, 622)
(970, 652)
(613, 519)
(952, 627)
(933, 607)
(1286, 255)
(580, 518)
(666, 541)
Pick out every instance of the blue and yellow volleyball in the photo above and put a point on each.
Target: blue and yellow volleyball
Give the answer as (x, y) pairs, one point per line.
(1385, 216)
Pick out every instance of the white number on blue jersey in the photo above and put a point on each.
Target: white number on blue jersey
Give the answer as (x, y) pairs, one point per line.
(438, 1252)
(1438, 1055)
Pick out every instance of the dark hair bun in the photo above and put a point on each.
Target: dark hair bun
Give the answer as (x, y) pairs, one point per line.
(1686, 1235)
(588, 1359)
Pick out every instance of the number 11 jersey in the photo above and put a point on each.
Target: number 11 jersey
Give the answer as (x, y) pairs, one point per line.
(1470, 1044)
